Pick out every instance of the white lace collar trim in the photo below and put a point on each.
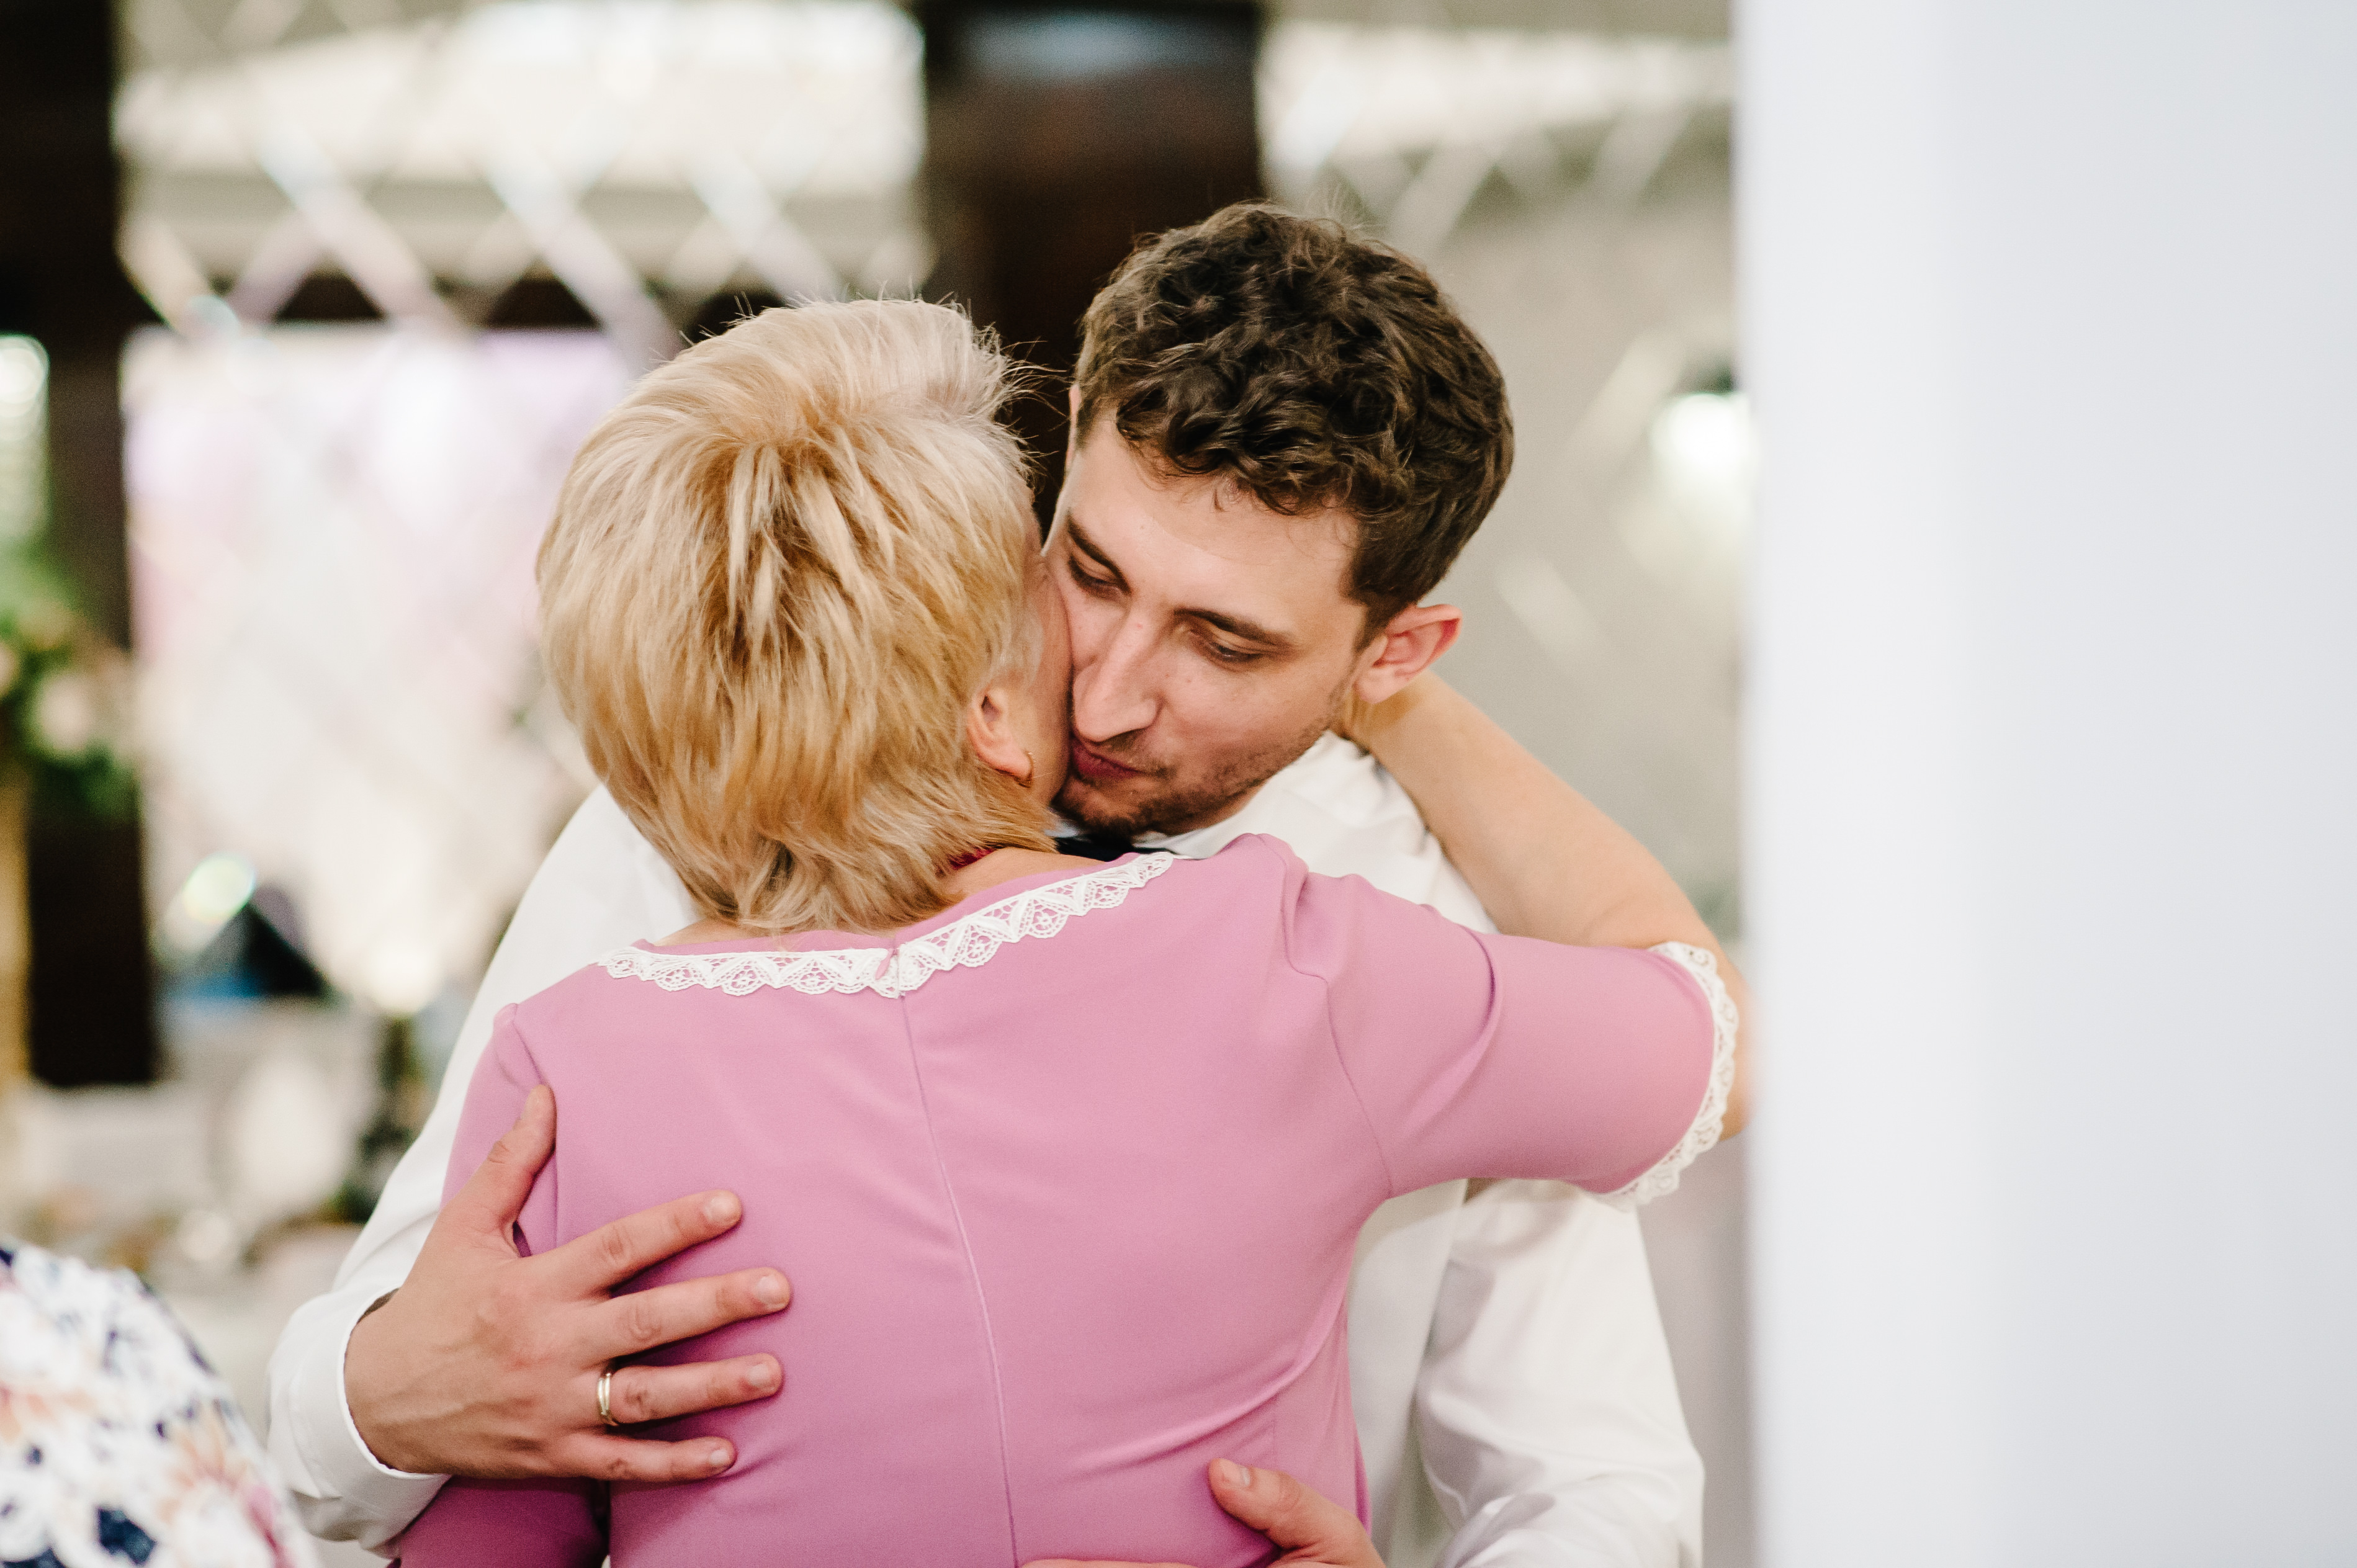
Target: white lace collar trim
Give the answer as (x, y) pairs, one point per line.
(1661, 1179)
(966, 942)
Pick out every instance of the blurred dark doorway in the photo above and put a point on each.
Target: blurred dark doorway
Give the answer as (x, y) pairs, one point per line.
(1060, 135)
(90, 990)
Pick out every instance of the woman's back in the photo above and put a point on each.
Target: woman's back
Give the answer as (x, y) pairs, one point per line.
(1067, 1180)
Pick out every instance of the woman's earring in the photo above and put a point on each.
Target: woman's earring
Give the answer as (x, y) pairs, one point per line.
(1029, 767)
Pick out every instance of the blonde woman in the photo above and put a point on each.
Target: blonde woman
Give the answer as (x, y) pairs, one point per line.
(1069, 1158)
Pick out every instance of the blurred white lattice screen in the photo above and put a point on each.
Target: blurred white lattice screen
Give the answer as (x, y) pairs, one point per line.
(332, 536)
(647, 155)
(1405, 127)
(653, 153)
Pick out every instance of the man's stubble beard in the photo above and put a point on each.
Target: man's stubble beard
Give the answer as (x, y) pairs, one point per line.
(1180, 808)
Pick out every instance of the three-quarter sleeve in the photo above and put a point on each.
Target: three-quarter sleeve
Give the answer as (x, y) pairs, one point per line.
(1479, 1055)
(554, 1523)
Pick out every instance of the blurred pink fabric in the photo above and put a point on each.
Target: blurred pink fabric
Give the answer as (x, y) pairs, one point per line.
(1067, 1219)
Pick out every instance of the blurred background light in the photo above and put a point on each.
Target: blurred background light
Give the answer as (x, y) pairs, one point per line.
(1708, 454)
(401, 979)
(24, 404)
(216, 890)
(285, 1141)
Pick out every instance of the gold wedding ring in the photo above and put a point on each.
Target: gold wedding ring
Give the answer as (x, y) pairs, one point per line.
(606, 1396)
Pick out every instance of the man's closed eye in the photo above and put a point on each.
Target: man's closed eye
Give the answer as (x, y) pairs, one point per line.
(1090, 582)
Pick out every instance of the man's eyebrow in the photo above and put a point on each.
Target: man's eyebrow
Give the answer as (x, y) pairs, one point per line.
(1088, 547)
(1237, 627)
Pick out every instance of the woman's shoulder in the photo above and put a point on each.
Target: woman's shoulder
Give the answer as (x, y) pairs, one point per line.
(1250, 865)
(1257, 855)
(603, 998)
(1251, 883)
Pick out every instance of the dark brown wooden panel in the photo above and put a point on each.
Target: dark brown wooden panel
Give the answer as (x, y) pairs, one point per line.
(1060, 134)
(92, 990)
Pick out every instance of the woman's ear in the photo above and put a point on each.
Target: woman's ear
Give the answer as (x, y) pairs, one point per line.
(1405, 650)
(990, 729)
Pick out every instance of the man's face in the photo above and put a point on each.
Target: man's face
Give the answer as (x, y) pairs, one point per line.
(1213, 641)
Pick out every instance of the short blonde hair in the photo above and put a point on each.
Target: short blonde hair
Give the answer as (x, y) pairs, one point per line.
(780, 574)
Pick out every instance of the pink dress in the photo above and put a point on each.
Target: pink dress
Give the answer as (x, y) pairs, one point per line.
(1067, 1180)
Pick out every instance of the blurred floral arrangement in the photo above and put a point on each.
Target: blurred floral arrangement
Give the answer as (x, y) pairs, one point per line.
(65, 692)
(65, 696)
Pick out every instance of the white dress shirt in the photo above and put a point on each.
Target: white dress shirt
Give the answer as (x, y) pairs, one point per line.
(1512, 1386)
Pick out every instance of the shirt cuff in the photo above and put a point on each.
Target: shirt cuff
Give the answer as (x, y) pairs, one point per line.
(1662, 1179)
(388, 1498)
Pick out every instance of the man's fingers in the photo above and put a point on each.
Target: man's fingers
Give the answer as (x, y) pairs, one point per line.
(1311, 1526)
(641, 1320)
(659, 1393)
(603, 1458)
(611, 1253)
(494, 1195)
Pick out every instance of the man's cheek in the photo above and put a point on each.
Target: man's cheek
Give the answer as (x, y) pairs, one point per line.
(1090, 625)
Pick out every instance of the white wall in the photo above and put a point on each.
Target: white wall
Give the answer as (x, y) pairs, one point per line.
(2051, 319)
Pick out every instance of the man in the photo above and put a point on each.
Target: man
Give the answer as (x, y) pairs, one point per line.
(1282, 439)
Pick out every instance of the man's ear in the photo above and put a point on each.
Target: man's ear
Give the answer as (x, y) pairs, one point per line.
(1405, 650)
(990, 730)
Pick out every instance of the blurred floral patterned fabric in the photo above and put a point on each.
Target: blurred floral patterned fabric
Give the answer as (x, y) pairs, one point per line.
(117, 1443)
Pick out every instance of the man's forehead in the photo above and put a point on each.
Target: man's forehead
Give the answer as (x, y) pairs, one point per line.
(1217, 540)
(1122, 505)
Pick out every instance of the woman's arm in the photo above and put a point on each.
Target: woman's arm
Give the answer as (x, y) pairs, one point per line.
(1544, 861)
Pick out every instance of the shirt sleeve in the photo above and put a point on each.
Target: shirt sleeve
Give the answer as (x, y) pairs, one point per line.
(1481, 1055)
(602, 887)
(1546, 1409)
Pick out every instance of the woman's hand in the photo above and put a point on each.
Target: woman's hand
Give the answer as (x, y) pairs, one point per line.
(1316, 1531)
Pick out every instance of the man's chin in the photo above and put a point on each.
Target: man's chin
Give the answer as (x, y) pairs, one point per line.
(1147, 805)
(1094, 809)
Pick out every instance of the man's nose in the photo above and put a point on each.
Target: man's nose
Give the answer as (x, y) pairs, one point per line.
(1112, 694)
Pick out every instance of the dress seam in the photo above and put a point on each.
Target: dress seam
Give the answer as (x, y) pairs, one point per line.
(973, 1273)
(1333, 1037)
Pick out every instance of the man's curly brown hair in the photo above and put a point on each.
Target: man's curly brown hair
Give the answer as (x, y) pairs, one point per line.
(1315, 368)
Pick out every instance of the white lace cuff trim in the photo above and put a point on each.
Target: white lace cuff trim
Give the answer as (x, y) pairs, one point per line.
(967, 943)
(1662, 1178)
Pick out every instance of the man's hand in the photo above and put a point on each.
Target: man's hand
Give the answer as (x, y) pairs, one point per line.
(1316, 1531)
(486, 1364)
